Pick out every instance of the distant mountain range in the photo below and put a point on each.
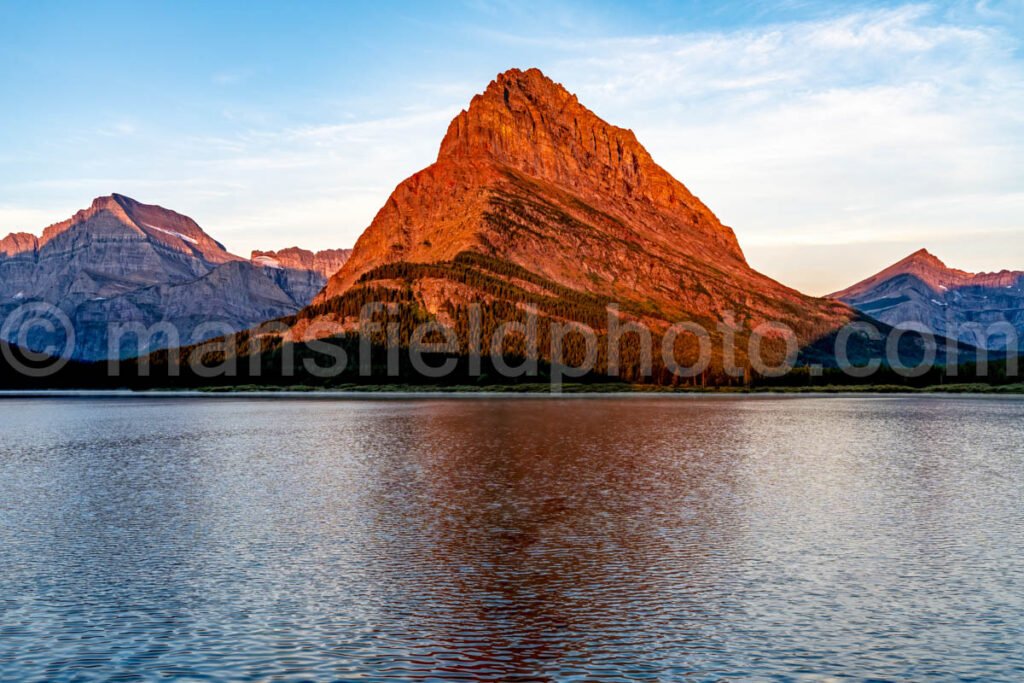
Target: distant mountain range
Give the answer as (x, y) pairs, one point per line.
(122, 261)
(534, 205)
(921, 289)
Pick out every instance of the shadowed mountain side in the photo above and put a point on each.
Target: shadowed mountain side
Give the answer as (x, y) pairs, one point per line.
(231, 297)
(121, 262)
(977, 308)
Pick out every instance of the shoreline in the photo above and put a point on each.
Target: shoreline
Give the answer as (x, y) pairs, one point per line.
(570, 392)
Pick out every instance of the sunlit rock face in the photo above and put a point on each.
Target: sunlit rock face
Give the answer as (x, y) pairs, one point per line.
(529, 178)
(121, 261)
(922, 290)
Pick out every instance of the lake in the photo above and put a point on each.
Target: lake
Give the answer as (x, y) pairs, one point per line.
(512, 538)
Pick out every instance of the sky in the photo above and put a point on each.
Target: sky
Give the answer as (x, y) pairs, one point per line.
(834, 138)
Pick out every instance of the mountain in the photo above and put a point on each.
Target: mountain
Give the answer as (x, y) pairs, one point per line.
(535, 199)
(326, 262)
(921, 289)
(121, 261)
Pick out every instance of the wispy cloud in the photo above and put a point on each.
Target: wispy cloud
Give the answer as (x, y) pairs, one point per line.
(228, 77)
(119, 129)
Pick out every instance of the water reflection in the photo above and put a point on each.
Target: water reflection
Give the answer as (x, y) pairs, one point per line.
(545, 542)
(511, 539)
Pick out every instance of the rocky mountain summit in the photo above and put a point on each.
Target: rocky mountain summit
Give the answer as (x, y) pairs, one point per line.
(527, 167)
(535, 200)
(121, 261)
(921, 290)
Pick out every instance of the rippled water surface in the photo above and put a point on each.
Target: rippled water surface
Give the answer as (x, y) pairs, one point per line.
(512, 539)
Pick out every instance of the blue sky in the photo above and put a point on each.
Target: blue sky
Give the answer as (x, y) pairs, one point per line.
(834, 140)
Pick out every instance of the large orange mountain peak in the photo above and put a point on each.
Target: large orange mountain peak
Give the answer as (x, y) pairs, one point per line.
(526, 171)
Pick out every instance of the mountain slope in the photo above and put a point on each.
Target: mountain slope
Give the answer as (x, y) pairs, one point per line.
(534, 196)
(921, 289)
(121, 261)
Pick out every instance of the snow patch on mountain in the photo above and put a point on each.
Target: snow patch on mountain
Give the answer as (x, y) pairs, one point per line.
(173, 233)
